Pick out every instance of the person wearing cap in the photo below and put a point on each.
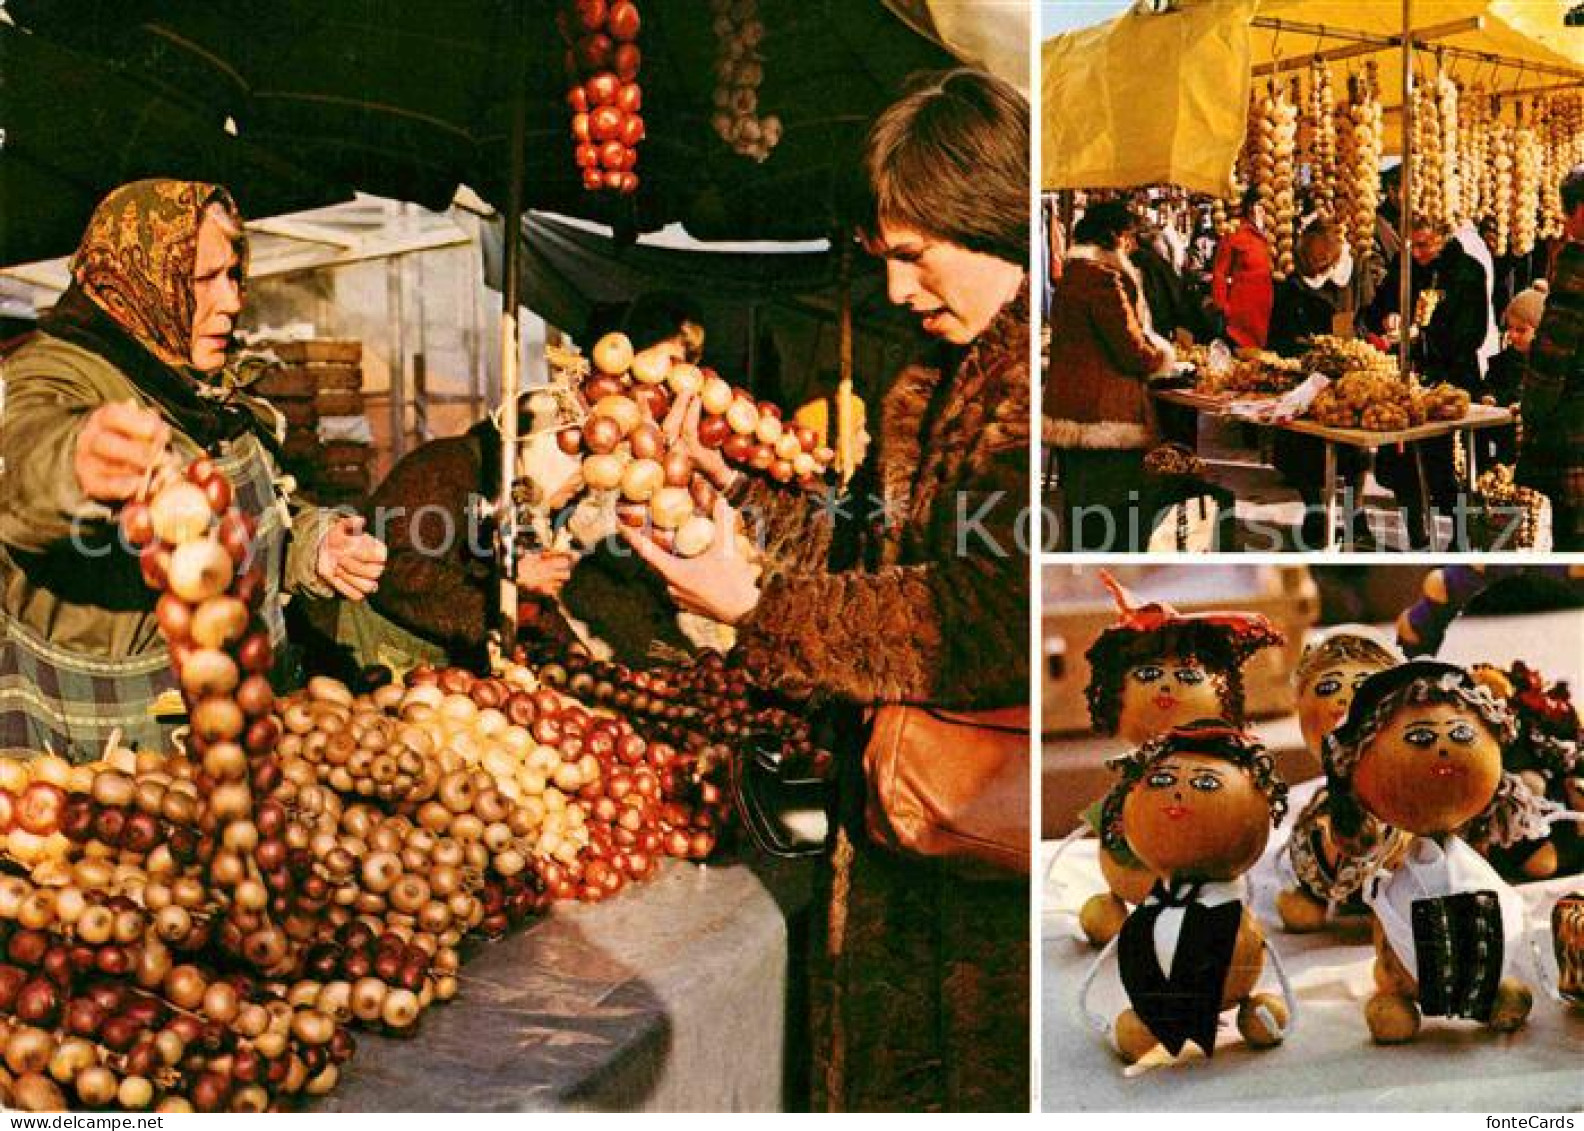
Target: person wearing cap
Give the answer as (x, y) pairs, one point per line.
(1504, 379)
(1551, 459)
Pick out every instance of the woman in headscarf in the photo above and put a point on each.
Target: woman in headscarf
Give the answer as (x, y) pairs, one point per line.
(129, 367)
(920, 989)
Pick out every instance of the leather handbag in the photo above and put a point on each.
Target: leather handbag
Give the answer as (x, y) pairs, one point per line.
(951, 785)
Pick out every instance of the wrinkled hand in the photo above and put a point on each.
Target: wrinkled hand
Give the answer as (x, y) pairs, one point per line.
(682, 425)
(117, 446)
(350, 561)
(720, 583)
(544, 573)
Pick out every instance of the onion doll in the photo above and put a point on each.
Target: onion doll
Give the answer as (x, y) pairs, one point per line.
(1196, 806)
(1421, 750)
(1152, 670)
(1329, 869)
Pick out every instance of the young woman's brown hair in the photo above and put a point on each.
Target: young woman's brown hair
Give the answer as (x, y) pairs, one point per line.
(951, 159)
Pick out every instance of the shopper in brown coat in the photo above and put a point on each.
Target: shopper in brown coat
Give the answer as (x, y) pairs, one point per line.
(919, 995)
(1098, 418)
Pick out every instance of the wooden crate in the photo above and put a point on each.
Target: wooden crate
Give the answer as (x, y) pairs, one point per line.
(339, 402)
(324, 350)
(1284, 594)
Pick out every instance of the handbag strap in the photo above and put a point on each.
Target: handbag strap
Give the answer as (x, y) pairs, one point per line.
(974, 719)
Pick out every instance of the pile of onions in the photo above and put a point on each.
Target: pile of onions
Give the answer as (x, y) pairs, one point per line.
(739, 70)
(695, 704)
(198, 931)
(602, 62)
(625, 451)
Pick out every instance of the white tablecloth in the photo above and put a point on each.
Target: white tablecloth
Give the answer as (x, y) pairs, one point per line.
(1329, 1062)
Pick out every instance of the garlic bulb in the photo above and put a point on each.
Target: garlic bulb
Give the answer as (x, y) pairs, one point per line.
(1321, 135)
(1501, 204)
(739, 72)
(1275, 172)
(1526, 190)
(1360, 143)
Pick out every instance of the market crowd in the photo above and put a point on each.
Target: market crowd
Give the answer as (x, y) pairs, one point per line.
(1141, 275)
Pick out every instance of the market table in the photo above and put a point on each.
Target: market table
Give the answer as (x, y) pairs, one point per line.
(671, 997)
(1478, 417)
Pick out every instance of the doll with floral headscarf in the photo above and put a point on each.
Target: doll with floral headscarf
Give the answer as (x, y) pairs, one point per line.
(1421, 751)
(1196, 806)
(1154, 669)
(1330, 869)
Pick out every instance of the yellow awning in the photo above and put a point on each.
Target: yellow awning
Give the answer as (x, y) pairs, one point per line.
(991, 34)
(1162, 98)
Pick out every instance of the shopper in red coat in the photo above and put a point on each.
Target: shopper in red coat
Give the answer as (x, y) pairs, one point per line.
(1240, 279)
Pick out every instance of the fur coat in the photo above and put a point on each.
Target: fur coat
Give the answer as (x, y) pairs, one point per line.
(939, 613)
(1101, 354)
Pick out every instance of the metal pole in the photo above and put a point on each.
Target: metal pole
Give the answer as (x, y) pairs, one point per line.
(844, 384)
(1405, 207)
(511, 374)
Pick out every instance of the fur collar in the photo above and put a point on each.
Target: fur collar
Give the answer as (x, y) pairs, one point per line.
(931, 427)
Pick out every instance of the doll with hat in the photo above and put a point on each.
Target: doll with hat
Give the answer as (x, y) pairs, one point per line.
(1152, 670)
(1421, 751)
(1329, 869)
(1195, 806)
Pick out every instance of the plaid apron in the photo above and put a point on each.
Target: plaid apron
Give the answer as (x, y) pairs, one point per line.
(73, 702)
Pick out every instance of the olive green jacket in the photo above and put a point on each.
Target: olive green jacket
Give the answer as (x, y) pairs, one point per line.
(64, 573)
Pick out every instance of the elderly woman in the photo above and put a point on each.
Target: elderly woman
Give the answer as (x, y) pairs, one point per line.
(128, 369)
(920, 988)
(1099, 419)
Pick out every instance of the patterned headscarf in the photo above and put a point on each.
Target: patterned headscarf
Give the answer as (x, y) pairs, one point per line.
(136, 260)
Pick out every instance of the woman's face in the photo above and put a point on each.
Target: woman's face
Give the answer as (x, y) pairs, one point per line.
(1169, 692)
(217, 296)
(1431, 769)
(1195, 817)
(955, 292)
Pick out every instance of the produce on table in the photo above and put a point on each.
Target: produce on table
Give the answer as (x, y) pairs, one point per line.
(739, 71)
(1255, 371)
(602, 61)
(1368, 392)
(199, 931)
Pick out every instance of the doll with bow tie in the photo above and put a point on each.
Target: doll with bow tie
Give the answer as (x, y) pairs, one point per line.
(1154, 669)
(1196, 806)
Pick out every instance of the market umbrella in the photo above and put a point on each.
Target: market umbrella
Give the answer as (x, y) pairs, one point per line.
(74, 129)
(409, 98)
(1108, 121)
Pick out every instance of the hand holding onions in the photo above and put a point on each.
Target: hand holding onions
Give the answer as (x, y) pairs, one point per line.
(717, 581)
(117, 446)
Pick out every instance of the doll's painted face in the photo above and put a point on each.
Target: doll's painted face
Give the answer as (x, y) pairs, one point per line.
(1169, 692)
(1431, 769)
(1323, 702)
(1196, 817)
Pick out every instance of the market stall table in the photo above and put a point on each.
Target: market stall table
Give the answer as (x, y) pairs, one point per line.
(670, 997)
(1478, 417)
